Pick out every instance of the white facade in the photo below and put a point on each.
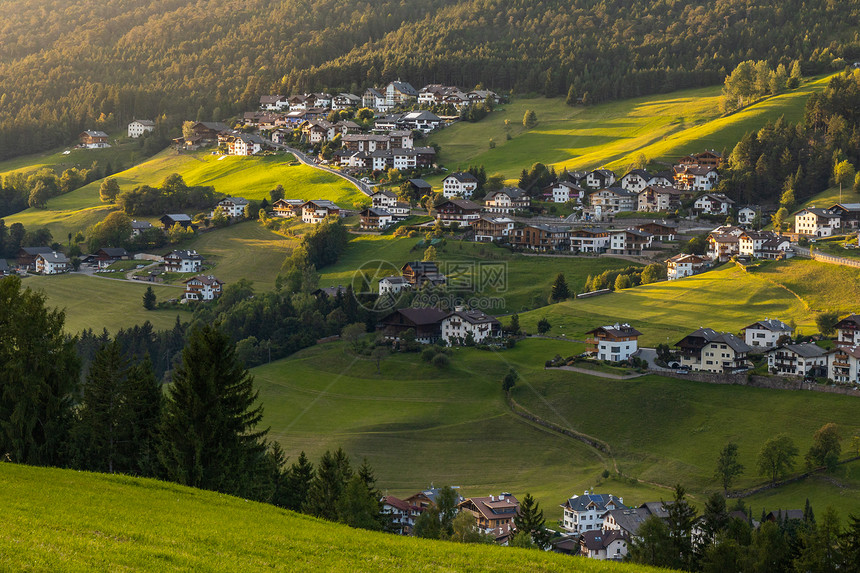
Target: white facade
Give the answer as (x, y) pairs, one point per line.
(796, 359)
(393, 285)
(314, 212)
(746, 216)
(765, 333)
(52, 263)
(713, 204)
(457, 325)
(202, 289)
(613, 200)
(600, 178)
(183, 262)
(585, 512)
(564, 192)
(591, 241)
(140, 126)
(681, 266)
(233, 206)
(843, 364)
(459, 185)
(816, 223)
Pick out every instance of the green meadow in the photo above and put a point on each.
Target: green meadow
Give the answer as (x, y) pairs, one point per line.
(662, 127)
(125, 153)
(63, 520)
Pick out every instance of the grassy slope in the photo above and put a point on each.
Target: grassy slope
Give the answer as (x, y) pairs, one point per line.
(528, 278)
(724, 299)
(97, 303)
(418, 425)
(122, 154)
(663, 127)
(249, 177)
(60, 520)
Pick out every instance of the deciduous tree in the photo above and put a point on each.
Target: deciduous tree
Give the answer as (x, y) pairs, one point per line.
(776, 457)
(728, 466)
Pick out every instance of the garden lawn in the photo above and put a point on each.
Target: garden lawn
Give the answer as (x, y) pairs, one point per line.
(63, 520)
(98, 302)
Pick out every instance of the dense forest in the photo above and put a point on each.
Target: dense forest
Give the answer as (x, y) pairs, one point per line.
(100, 63)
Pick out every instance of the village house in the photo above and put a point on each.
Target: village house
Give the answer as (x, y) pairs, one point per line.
(426, 323)
(843, 364)
(492, 512)
(541, 237)
(375, 219)
(484, 95)
(460, 211)
(140, 126)
(365, 142)
(242, 144)
(628, 520)
(183, 262)
(506, 201)
(345, 101)
(388, 200)
(849, 213)
(663, 198)
(422, 273)
(347, 127)
(585, 512)
(171, 219)
(94, 139)
(629, 242)
(712, 204)
(318, 131)
(660, 231)
(696, 177)
(316, 211)
(588, 240)
(460, 184)
(393, 285)
(683, 265)
(427, 498)
(763, 245)
(603, 545)
(420, 187)
(52, 263)
(724, 243)
(274, 102)
(747, 215)
(766, 333)
(797, 359)
(437, 94)
(492, 228)
(287, 208)
(138, 227)
(202, 288)
(635, 180)
(612, 200)
(400, 514)
(387, 122)
(207, 131)
(27, 256)
(423, 121)
(564, 191)
(373, 99)
(711, 351)
(776, 247)
(106, 256)
(232, 207)
(600, 178)
(814, 222)
(399, 94)
(848, 329)
(615, 343)
(709, 158)
(457, 326)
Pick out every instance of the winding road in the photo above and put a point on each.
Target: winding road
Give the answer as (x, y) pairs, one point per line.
(305, 160)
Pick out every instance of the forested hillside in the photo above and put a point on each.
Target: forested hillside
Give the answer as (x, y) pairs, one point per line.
(99, 63)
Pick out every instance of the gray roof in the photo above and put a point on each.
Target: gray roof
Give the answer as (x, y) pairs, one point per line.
(177, 216)
(629, 520)
(395, 280)
(54, 257)
(820, 212)
(463, 177)
(808, 350)
(771, 324)
(581, 502)
(710, 335)
(324, 203)
(512, 192)
(420, 184)
(92, 133)
(186, 255)
(474, 317)
(404, 87)
(235, 200)
(375, 212)
(141, 225)
(32, 251)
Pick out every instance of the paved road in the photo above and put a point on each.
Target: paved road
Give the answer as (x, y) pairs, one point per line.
(304, 159)
(825, 258)
(598, 373)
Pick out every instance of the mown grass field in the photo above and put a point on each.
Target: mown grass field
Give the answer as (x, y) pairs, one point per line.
(249, 177)
(62, 520)
(726, 299)
(418, 425)
(663, 127)
(97, 302)
(126, 153)
(528, 281)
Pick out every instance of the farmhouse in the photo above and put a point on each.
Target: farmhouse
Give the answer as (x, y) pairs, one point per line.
(425, 322)
(506, 201)
(613, 200)
(375, 219)
(460, 211)
(600, 178)
(661, 198)
(243, 144)
(400, 514)
(541, 237)
(492, 228)
(724, 243)
(138, 227)
(207, 131)
(94, 139)
(628, 521)
(232, 207)
(421, 273)
(615, 343)
(52, 263)
(460, 184)
(202, 288)
(682, 265)
(171, 219)
(712, 204)
(629, 242)
(796, 359)
(27, 256)
(392, 285)
(603, 545)
(140, 126)
(388, 200)
(711, 351)
(815, 222)
(492, 512)
(564, 191)
(696, 177)
(848, 329)
(843, 364)
(660, 231)
(316, 211)
(848, 212)
(766, 333)
(588, 240)
(287, 208)
(747, 215)
(585, 512)
(108, 255)
(183, 262)
(457, 326)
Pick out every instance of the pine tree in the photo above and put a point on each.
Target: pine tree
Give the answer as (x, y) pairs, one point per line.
(560, 291)
(299, 476)
(571, 96)
(37, 377)
(208, 431)
(529, 119)
(149, 299)
(530, 520)
(328, 485)
(357, 506)
(514, 327)
(680, 520)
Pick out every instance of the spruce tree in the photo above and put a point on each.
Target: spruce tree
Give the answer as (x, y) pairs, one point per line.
(149, 299)
(208, 431)
(530, 521)
(560, 291)
(299, 477)
(332, 475)
(357, 506)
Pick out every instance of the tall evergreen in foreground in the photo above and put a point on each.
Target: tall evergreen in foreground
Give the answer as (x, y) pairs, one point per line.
(38, 374)
(208, 431)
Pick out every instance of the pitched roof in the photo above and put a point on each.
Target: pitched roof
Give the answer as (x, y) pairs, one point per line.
(145, 122)
(462, 204)
(474, 317)
(141, 225)
(323, 203)
(597, 539)
(113, 251)
(205, 279)
(512, 192)
(93, 133)
(807, 350)
(176, 217)
(53, 257)
(36, 250)
(629, 520)
(234, 200)
(421, 316)
(598, 500)
(463, 177)
(420, 184)
(375, 212)
(184, 255)
(772, 324)
(404, 87)
(616, 331)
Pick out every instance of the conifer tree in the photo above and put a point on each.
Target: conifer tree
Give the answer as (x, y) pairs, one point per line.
(149, 299)
(560, 290)
(208, 432)
(299, 476)
(530, 521)
(328, 485)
